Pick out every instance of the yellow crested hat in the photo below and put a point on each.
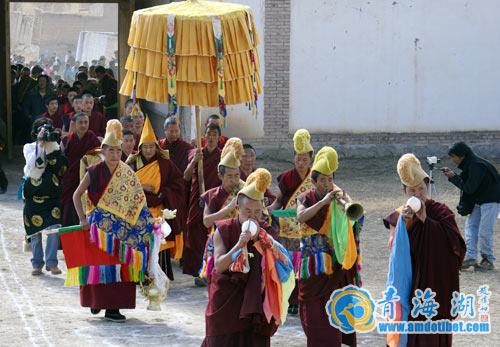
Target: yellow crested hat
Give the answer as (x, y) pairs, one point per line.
(256, 184)
(409, 170)
(148, 135)
(113, 136)
(326, 161)
(302, 142)
(231, 153)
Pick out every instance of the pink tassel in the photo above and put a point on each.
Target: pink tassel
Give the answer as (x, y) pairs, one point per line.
(93, 233)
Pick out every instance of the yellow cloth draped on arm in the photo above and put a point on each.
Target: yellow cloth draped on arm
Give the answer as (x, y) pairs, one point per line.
(150, 175)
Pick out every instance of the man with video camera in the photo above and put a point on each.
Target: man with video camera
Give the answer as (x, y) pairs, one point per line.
(45, 166)
(479, 183)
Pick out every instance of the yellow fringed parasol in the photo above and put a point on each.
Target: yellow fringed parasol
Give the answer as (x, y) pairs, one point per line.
(194, 53)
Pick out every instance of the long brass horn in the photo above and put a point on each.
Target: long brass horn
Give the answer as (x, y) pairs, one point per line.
(353, 210)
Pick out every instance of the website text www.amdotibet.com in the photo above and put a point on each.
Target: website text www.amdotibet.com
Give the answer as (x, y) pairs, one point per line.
(435, 327)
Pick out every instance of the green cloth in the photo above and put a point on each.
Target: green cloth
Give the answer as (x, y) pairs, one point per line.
(339, 232)
(284, 213)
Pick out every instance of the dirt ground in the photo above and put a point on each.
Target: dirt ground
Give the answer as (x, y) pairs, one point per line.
(42, 312)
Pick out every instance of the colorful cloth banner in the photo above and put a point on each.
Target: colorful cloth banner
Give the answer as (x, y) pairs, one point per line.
(400, 277)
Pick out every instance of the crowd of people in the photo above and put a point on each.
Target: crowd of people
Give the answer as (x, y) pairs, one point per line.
(46, 88)
(260, 255)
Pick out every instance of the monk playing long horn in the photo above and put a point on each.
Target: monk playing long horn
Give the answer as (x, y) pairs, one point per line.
(318, 279)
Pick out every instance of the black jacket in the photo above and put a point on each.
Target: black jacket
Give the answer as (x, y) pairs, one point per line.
(479, 180)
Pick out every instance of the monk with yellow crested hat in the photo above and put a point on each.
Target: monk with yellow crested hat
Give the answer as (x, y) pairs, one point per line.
(115, 194)
(437, 249)
(291, 183)
(316, 286)
(220, 202)
(235, 310)
(163, 185)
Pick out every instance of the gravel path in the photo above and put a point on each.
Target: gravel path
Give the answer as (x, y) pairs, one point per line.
(40, 311)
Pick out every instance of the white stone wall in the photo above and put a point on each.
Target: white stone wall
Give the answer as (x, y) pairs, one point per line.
(394, 66)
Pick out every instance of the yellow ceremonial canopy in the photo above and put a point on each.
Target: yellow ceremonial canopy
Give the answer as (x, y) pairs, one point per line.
(194, 53)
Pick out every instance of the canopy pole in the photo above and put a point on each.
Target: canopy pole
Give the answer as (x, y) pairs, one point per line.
(198, 145)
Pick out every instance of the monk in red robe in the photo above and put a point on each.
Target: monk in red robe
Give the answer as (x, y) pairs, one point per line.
(212, 119)
(74, 146)
(54, 112)
(163, 185)
(316, 287)
(197, 233)
(292, 183)
(247, 166)
(115, 194)
(220, 202)
(235, 314)
(436, 246)
(97, 121)
(178, 150)
(128, 144)
(176, 146)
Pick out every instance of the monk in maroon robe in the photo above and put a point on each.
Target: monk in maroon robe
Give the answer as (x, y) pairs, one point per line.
(74, 146)
(437, 251)
(111, 296)
(290, 184)
(97, 121)
(215, 120)
(248, 166)
(234, 314)
(176, 146)
(315, 291)
(54, 112)
(196, 236)
(112, 180)
(178, 150)
(170, 194)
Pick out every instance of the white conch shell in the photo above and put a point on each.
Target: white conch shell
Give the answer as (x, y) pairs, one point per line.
(414, 203)
(250, 225)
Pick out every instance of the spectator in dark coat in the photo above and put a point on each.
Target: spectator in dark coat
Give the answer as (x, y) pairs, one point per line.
(479, 182)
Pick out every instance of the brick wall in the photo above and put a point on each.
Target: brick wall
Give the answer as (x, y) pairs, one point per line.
(277, 77)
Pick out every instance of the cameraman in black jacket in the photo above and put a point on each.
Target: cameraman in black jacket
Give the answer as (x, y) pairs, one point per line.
(479, 182)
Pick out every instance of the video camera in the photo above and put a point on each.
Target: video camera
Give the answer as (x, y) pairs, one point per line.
(50, 134)
(432, 161)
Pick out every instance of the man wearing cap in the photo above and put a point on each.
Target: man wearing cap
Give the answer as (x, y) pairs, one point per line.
(292, 183)
(120, 224)
(240, 309)
(436, 246)
(197, 233)
(164, 188)
(317, 282)
(248, 166)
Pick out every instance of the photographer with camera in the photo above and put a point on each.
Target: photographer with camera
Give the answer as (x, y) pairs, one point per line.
(479, 183)
(45, 166)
